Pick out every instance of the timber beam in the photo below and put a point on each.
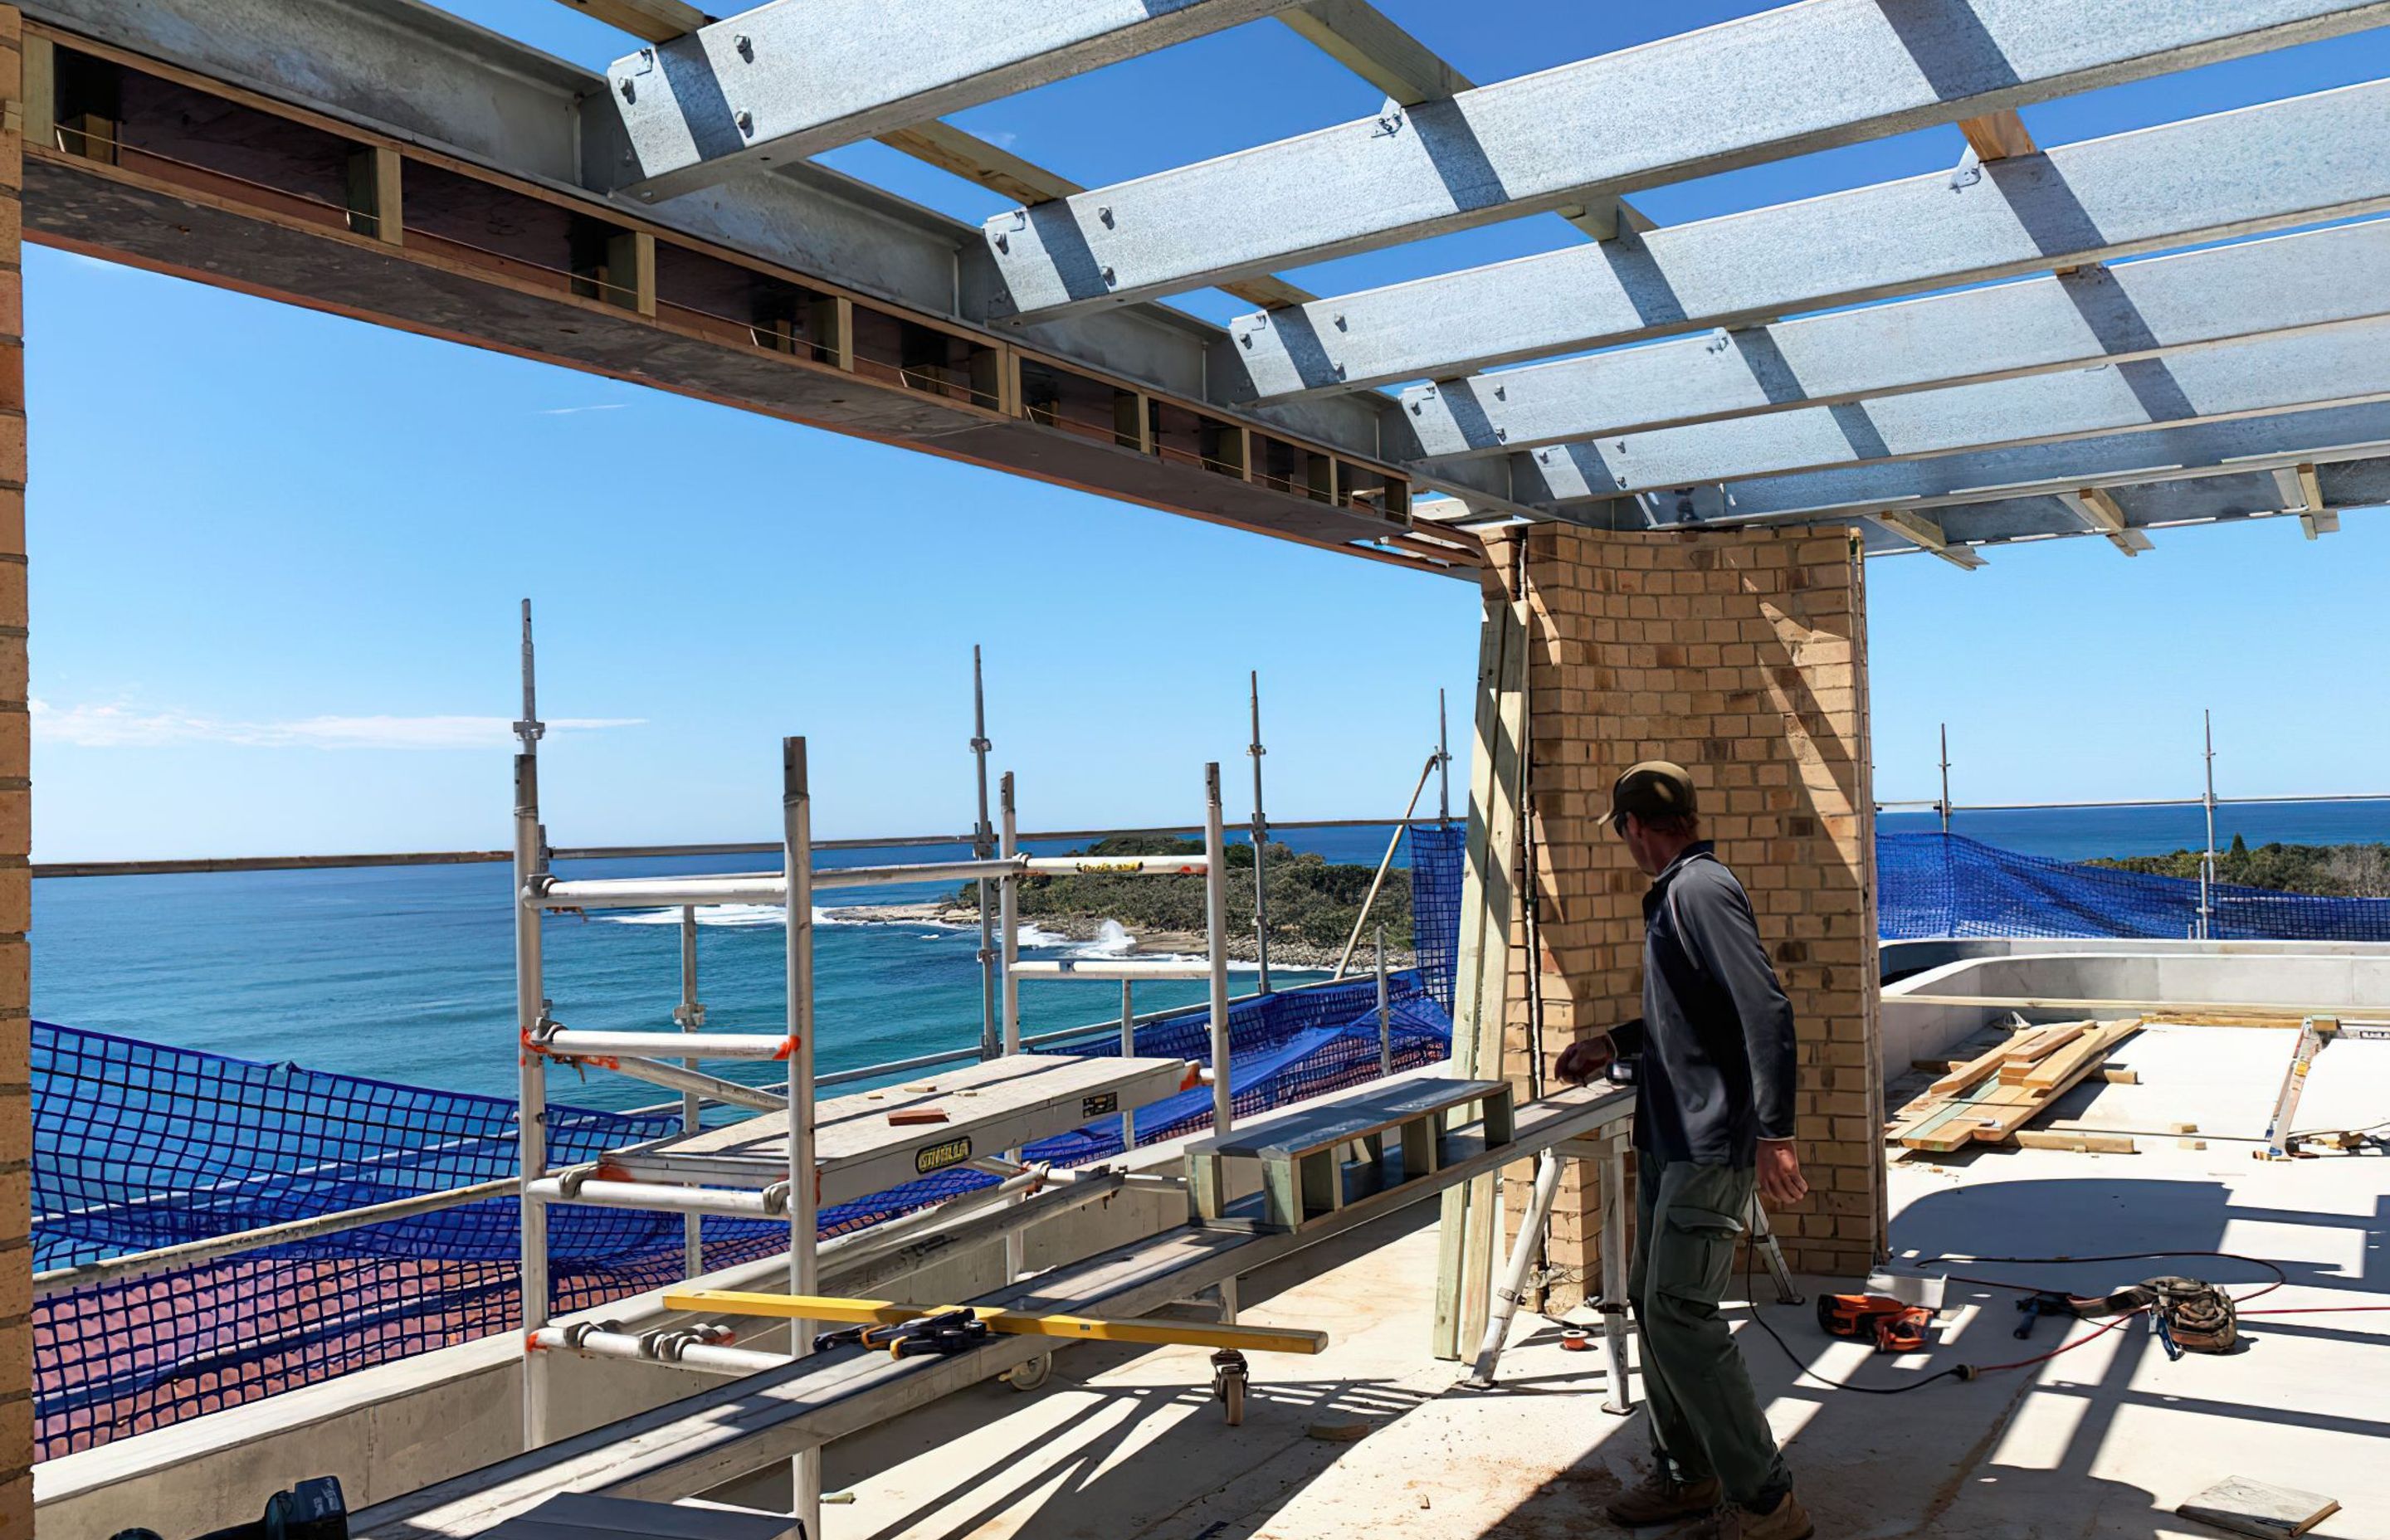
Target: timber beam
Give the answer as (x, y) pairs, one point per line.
(2302, 494)
(2325, 437)
(1787, 81)
(1927, 536)
(2301, 161)
(2224, 495)
(2097, 508)
(1366, 40)
(1359, 36)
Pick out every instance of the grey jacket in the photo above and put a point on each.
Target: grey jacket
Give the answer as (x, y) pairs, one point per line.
(1717, 1068)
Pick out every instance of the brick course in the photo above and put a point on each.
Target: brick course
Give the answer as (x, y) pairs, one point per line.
(1741, 655)
(16, 817)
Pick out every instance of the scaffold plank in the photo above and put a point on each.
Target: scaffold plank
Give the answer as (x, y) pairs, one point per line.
(989, 1107)
(699, 1443)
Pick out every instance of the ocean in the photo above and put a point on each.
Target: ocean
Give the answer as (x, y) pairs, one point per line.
(406, 973)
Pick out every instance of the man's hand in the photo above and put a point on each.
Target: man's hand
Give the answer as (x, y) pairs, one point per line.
(1584, 1060)
(1781, 1182)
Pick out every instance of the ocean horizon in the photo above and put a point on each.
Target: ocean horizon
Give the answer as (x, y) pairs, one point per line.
(405, 973)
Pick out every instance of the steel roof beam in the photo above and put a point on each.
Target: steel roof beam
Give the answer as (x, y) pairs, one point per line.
(1786, 82)
(2334, 433)
(793, 78)
(2137, 311)
(2244, 378)
(2299, 162)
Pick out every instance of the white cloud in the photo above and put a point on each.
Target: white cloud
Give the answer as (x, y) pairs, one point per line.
(571, 411)
(129, 727)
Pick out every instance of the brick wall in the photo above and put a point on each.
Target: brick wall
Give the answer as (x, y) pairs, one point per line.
(16, 830)
(1742, 656)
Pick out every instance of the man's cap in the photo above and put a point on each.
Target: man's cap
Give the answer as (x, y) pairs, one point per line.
(1654, 789)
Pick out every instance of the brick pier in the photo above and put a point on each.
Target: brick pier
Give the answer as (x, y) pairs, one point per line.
(1741, 656)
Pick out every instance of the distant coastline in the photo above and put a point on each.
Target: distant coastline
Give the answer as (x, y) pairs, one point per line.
(1144, 941)
(2335, 872)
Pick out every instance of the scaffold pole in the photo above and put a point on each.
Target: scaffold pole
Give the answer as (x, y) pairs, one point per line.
(797, 862)
(531, 1011)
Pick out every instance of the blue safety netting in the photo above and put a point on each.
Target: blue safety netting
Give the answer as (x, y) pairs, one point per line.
(138, 1146)
(1931, 884)
(1435, 905)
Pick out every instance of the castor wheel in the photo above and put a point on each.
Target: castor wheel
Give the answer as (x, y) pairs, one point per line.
(1228, 1384)
(1031, 1375)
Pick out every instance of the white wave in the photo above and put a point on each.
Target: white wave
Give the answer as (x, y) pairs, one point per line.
(737, 916)
(1111, 939)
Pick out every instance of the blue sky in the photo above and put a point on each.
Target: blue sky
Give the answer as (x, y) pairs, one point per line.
(275, 556)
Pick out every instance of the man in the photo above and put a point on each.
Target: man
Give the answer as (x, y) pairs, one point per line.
(1713, 1119)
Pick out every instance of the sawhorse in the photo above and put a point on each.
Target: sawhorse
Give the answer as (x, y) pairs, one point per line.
(1610, 1151)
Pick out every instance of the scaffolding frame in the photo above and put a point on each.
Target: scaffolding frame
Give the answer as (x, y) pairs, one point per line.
(669, 1058)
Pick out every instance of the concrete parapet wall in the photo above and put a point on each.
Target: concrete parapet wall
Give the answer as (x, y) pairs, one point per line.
(394, 1429)
(2141, 978)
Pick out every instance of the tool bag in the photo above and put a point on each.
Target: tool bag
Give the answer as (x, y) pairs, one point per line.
(2198, 1316)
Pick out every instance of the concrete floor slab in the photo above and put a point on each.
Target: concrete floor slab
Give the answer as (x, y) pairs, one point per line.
(2100, 1442)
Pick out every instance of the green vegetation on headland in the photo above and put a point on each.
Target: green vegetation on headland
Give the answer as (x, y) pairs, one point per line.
(2337, 871)
(1312, 900)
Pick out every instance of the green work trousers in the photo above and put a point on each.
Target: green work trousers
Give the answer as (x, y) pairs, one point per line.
(1705, 1417)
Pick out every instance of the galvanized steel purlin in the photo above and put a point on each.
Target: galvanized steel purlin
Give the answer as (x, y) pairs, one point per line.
(1789, 81)
(2298, 161)
(2136, 310)
(2245, 378)
(2327, 437)
(794, 78)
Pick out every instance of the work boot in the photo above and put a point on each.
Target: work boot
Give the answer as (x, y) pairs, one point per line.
(1660, 1498)
(1787, 1520)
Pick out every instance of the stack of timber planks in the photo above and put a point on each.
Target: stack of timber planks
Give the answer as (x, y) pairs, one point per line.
(1990, 1099)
